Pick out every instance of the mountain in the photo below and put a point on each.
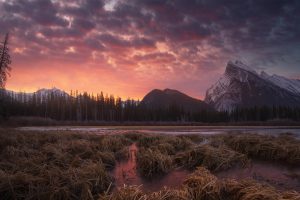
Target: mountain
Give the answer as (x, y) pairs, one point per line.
(241, 86)
(168, 97)
(55, 91)
(291, 85)
(43, 93)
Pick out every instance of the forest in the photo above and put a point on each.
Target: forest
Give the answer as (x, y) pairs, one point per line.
(89, 107)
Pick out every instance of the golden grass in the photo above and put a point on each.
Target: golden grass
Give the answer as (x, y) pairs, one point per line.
(166, 143)
(284, 148)
(203, 185)
(152, 162)
(156, 152)
(213, 158)
(56, 165)
(63, 165)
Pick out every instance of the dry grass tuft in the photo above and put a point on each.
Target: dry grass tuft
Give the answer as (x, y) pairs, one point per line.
(212, 158)
(165, 143)
(125, 193)
(152, 162)
(284, 148)
(56, 165)
(203, 185)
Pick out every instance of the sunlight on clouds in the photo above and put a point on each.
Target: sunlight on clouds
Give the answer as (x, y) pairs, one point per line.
(19, 50)
(69, 20)
(162, 47)
(40, 35)
(110, 5)
(70, 50)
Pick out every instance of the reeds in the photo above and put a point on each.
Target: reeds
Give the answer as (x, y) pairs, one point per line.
(62, 165)
(213, 158)
(203, 185)
(152, 162)
(284, 148)
(156, 153)
(56, 165)
(165, 143)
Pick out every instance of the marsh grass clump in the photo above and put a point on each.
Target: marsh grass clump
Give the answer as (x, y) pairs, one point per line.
(136, 193)
(212, 158)
(56, 165)
(202, 185)
(54, 183)
(107, 158)
(166, 144)
(284, 148)
(147, 141)
(134, 136)
(114, 143)
(125, 193)
(152, 162)
(250, 189)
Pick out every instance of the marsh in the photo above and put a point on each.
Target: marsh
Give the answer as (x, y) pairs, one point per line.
(123, 163)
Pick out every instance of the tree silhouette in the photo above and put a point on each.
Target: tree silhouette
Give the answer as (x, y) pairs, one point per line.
(4, 62)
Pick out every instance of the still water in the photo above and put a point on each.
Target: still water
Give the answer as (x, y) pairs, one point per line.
(204, 130)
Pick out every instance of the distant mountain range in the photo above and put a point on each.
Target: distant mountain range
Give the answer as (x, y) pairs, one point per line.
(41, 93)
(240, 86)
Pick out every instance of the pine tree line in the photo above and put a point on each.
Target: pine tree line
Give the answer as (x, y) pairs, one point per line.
(100, 107)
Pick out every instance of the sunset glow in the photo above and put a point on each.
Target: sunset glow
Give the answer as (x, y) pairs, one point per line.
(127, 48)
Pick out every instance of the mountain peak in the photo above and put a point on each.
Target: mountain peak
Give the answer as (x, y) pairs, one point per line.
(264, 74)
(45, 91)
(240, 65)
(171, 91)
(169, 97)
(241, 86)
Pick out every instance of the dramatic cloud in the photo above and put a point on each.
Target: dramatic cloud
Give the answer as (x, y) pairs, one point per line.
(128, 47)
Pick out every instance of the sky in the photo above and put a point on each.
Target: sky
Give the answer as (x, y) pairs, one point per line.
(129, 47)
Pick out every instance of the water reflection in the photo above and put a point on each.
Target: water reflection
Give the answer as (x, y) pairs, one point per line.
(169, 130)
(126, 173)
(279, 176)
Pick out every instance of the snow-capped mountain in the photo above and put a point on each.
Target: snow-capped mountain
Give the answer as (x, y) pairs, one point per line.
(41, 93)
(241, 86)
(55, 91)
(292, 85)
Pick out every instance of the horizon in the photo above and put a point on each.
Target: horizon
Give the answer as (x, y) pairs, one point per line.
(128, 48)
(136, 99)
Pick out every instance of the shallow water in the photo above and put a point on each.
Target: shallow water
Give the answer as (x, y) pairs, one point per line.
(125, 173)
(279, 176)
(203, 130)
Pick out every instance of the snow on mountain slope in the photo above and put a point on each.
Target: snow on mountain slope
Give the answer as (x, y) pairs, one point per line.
(241, 86)
(291, 85)
(45, 92)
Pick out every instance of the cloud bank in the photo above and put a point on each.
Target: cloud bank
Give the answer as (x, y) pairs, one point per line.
(128, 47)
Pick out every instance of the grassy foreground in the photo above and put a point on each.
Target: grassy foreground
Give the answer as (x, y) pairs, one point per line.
(203, 185)
(56, 165)
(64, 165)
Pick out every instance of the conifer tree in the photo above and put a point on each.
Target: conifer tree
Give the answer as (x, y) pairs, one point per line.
(5, 62)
